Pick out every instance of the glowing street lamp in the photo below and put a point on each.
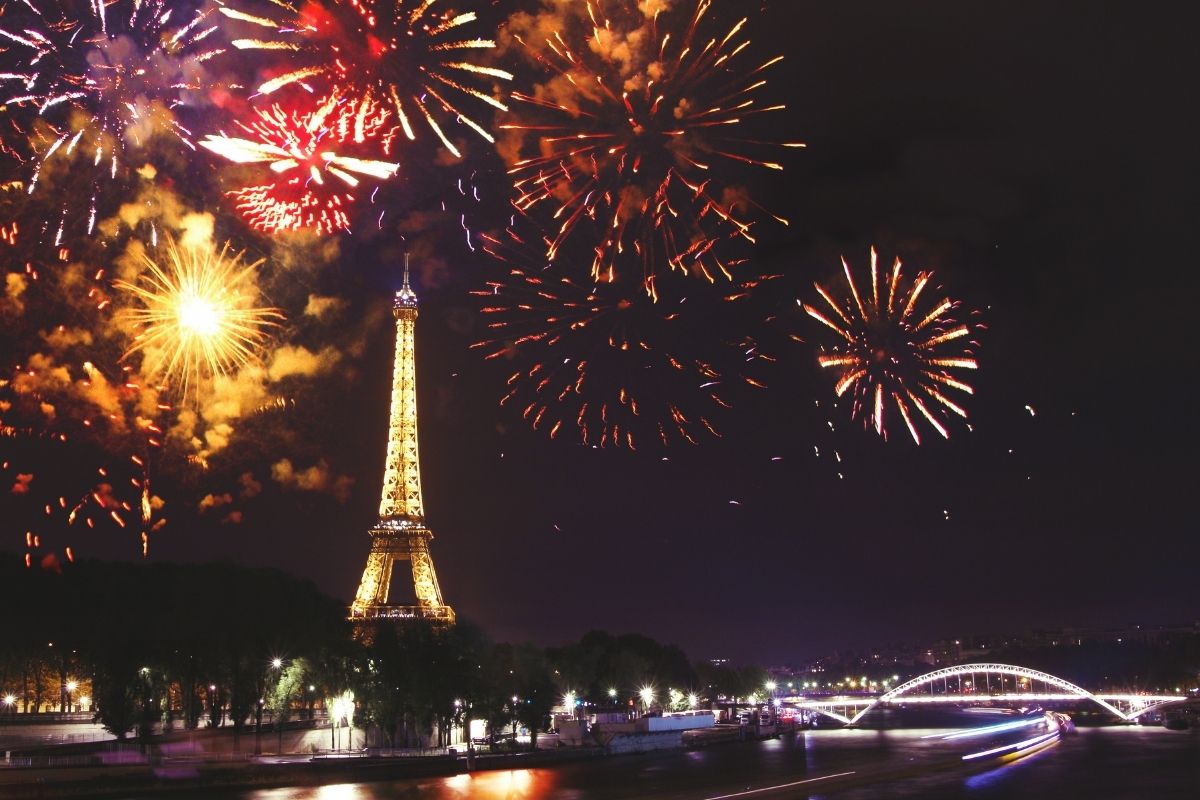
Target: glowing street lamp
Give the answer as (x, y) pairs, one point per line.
(646, 693)
(341, 713)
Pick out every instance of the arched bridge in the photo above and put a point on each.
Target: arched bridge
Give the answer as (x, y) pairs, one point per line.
(981, 683)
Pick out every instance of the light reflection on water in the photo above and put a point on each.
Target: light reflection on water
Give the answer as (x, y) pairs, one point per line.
(1113, 763)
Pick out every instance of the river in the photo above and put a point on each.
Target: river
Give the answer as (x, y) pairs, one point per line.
(1117, 763)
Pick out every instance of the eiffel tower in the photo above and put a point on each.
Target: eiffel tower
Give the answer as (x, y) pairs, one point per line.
(400, 534)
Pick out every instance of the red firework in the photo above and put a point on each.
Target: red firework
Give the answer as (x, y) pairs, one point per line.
(614, 364)
(317, 159)
(630, 131)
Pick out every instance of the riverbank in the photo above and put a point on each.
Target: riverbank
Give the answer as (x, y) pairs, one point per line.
(188, 775)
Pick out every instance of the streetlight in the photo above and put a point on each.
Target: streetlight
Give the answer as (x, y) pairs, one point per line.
(10, 702)
(646, 693)
(71, 687)
(213, 718)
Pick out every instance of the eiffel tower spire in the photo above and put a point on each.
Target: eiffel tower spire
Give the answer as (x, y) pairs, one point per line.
(400, 534)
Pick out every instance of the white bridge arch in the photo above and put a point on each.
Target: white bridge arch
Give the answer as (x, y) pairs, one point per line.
(985, 683)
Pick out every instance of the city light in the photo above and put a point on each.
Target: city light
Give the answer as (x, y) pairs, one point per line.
(10, 700)
(277, 663)
(647, 695)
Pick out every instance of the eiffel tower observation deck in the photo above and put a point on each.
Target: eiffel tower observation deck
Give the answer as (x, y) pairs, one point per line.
(400, 534)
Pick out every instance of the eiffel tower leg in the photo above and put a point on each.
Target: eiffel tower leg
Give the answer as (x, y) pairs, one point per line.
(425, 583)
(376, 580)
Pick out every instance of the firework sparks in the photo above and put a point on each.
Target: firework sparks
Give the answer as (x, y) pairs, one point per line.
(72, 433)
(631, 130)
(317, 160)
(100, 85)
(406, 53)
(620, 364)
(892, 355)
(196, 317)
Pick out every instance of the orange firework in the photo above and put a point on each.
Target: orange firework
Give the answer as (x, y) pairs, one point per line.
(614, 364)
(409, 54)
(633, 129)
(891, 353)
(317, 159)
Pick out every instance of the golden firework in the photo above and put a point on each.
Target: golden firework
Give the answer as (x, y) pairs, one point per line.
(197, 316)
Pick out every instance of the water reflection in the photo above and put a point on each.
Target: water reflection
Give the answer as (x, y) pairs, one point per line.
(1111, 763)
(511, 785)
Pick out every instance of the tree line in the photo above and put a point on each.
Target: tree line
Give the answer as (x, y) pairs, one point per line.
(159, 645)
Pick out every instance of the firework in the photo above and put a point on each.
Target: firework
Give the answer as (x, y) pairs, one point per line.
(618, 364)
(75, 449)
(97, 86)
(197, 316)
(316, 159)
(632, 130)
(891, 354)
(411, 54)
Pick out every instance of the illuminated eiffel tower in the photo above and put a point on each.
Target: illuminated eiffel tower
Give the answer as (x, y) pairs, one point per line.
(400, 534)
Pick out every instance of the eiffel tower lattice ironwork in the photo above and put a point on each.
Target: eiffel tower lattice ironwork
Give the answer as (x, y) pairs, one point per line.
(400, 534)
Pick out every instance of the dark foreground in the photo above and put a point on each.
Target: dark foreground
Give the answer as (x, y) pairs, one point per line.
(1126, 763)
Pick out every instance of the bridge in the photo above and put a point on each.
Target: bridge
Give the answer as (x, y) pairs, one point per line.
(969, 684)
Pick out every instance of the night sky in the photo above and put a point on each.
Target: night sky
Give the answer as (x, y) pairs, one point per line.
(1040, 158)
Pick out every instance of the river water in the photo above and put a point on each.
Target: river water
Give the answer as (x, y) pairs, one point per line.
(1118, 763)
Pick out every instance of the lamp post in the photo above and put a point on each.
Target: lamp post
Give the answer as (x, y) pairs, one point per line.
(277, 665)
(71, 687)
(646, 693)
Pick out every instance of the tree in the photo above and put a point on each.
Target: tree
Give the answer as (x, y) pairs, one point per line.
(290, 683)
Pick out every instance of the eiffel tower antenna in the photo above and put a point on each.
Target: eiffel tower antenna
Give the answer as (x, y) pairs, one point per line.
(400, 534)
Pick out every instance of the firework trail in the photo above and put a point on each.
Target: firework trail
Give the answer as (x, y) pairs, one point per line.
(412, 55)
(613, 364)
(196, 317)
(75, 453)
(640, 117)
(316, 160)
(94, 87)
(892, 354)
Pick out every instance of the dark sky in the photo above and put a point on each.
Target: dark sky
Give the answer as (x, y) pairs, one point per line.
(1041, 158)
